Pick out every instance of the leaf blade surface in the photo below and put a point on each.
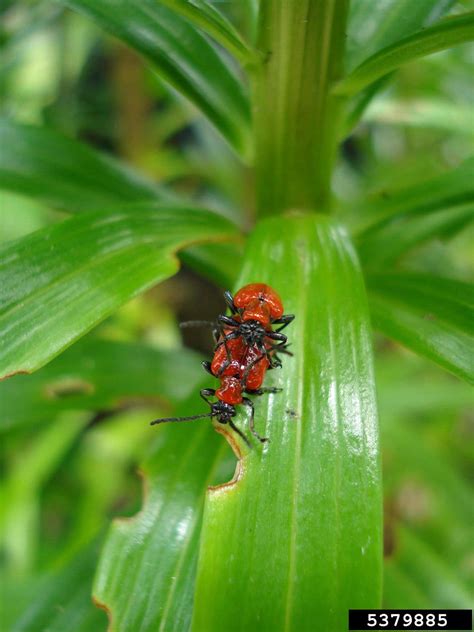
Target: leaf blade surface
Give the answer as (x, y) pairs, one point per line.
(432, 316)
(206, 16)
(157, 549)
(440, 36)
(287, 535)
(61, 281)
(102, 375)
(65, 173)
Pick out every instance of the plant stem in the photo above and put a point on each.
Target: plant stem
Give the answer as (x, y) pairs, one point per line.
(295, 116)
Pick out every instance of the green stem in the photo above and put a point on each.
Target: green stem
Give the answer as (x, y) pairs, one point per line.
(296, 118)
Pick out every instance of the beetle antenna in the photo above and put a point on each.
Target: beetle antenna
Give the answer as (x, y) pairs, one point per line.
(191, 418)
(197, 323)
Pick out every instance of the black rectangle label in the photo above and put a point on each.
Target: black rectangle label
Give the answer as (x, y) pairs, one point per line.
(410, 620)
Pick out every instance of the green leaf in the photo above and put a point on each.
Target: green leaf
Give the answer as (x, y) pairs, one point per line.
(432, 316)
(287, 536)
(99, 375)
(449, 189)
(385, 245)
(250, 11)
(205, 15)
(394, 222)
(57, 283)
(19, 506)
(182, 56)
(444, 34)
(61, 600)
(357, 105)
(157, 549)
(376, 25)
(65, 173)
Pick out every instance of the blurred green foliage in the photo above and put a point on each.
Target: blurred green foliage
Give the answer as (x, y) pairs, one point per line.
(75, 432)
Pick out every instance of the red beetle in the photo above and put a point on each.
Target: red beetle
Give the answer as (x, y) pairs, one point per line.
(246, 347)
(236, 359)
(228, 396)
(259, 302)
(255, 309)
(240, 369)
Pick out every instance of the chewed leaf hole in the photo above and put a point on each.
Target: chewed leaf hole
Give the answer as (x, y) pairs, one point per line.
(68, 387)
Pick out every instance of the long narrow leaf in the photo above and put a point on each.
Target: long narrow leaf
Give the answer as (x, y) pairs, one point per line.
(445, 34)
(73, 177)
(434, 317)
(296, 535)
(65, 173)
(206, 16)
(357, 105)
(19, 497)
(99, 375)
(182, 56)
(58, 283)
(146, 572)
(386, 244)
(447, 190)
(376, 25)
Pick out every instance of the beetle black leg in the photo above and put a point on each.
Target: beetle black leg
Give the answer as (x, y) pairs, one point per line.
(206, 365)
(239, 432)
(221, 321)
(285, 320)
(276, 336)
(207, 392)
(216, 333)
(226, 320)
(232, 336)
(271, 354)
(249, 403)
(229, 299)
(283, 348)
(273, 359)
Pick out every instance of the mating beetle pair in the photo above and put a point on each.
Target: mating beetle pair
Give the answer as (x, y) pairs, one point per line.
(246, 346)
